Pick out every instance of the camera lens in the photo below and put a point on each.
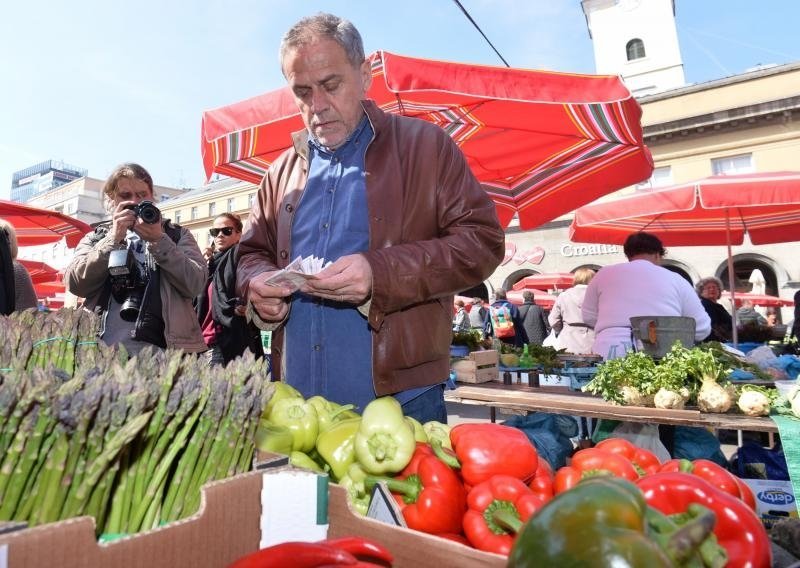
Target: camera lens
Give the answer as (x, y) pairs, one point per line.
(129, 310)
(148, 212)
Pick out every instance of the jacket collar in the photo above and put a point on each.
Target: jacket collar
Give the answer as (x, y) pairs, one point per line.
(377, 119)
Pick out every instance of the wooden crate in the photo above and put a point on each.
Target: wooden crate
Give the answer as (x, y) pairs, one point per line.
(480, 367)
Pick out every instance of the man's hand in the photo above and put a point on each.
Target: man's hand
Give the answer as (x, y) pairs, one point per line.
(150, 232)
(349, 279)
(122, 219)
(268, 301)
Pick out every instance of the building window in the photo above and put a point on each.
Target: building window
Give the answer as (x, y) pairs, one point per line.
(230, 204)
(178, 216)
(212, 208)
(661, 177)
(741, 164)
(251, 198)
(635, 49)
(193, 214)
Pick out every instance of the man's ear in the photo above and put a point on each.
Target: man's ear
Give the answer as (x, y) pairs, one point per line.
(366, 75)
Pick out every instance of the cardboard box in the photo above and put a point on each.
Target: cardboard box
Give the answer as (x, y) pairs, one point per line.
(227, 527)
(775, 500)
(480, 367)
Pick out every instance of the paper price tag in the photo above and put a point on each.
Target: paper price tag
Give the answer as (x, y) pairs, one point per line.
(294, 507)
(383, 507)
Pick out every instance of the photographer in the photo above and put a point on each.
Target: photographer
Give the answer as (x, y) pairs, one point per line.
(220, 312)
(142, 272)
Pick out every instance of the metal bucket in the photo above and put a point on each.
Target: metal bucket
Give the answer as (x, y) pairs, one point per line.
(655, 334)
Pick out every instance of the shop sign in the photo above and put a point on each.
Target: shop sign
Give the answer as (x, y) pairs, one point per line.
(569, 250)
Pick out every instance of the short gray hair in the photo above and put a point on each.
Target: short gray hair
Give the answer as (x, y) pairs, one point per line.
(327, 26)
(703, 281)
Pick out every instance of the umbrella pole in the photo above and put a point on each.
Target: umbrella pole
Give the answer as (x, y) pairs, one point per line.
(731, 279)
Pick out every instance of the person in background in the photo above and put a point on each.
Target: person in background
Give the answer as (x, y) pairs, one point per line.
(501, 304)
(747, 315)
(795, 332)
(639, 287)
(479, 317)
(23, 292)
(461, 319)
(220, 312)
(710, 290)
(158, 270)
(392, 204)
(566, 318)
(534, 322)
(772, 317)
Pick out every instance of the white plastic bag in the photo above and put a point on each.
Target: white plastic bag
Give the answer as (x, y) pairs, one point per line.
(552, 340)
(643, 435)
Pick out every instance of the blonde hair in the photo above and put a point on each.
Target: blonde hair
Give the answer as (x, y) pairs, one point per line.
(584, 275)
(12, 237)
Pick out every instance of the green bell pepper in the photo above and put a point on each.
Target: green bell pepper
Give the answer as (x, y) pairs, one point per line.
(328, 413)
(602, 521)
(437, 431)
(282, 390)
(355, 484)
(384, 441)
(301, 420)
(272, 438)
(336, 445)
(419, 432)
(299, 459)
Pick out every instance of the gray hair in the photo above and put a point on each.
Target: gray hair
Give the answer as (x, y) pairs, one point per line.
(703, 281)
(327, 26)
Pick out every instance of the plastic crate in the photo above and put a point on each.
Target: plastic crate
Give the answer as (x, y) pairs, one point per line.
(579, 376)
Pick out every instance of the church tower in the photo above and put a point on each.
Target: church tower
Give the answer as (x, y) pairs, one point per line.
(637, 39)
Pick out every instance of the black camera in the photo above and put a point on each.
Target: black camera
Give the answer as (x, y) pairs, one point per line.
(127, 282)
(147, 212)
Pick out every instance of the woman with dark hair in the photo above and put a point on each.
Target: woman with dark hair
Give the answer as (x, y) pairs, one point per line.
(710, 290)
(639, 287)
(220, 312)
(18, 289)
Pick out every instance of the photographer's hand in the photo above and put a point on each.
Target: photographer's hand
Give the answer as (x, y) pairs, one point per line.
(122, 219)
(149, 232)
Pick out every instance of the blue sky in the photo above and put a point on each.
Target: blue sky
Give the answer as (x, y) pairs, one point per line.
(96, 83)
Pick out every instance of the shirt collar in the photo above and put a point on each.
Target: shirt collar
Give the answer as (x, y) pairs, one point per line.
(355, 135)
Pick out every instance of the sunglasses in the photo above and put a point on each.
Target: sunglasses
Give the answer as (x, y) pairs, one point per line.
(227, 231)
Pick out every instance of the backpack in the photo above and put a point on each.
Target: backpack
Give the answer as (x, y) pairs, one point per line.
(501, 321)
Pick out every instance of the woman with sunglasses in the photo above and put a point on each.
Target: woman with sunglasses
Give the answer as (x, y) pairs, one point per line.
(220, 313)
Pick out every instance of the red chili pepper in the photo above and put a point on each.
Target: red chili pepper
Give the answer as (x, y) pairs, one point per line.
(590, 462)
(737, 529)
(715, 474)
(645, 461)
(497, 510)
(485, 450)
(297, 555)
(362, 549)
(434, 496)
(542, 482)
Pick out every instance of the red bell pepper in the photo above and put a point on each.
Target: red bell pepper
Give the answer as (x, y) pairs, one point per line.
(433, 496)
(498, 507)
(485, 450)
(715, 474)
(459, 538)
(542, 482)
(747, 493)
(645, 461)
(591, 462)
(738, 530)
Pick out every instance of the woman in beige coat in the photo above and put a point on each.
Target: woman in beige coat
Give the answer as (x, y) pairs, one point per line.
(565, 318)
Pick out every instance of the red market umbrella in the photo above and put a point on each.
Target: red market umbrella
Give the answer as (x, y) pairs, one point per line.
(39, 271)
(713, 211)
(759, 299)
(36, 226)
(541, 143)
(45, 289)
(554, 280)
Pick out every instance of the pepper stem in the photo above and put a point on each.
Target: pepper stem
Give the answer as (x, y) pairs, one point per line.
(409, 488)
(685, 466)
(443, 455)
(502, 517)
(335, 414)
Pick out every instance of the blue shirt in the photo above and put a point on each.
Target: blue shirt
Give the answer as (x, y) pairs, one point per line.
(329, 344)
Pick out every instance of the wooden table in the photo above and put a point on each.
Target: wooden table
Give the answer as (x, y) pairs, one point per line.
(562, 401)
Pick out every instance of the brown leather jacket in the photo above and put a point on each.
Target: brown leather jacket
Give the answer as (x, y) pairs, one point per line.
(433, 232)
